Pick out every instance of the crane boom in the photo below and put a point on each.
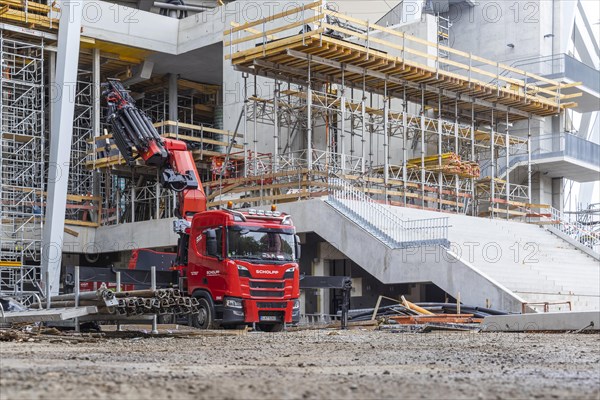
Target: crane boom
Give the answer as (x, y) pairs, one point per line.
(136, 138)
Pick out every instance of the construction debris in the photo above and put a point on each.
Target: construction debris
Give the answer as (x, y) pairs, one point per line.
(423, 317)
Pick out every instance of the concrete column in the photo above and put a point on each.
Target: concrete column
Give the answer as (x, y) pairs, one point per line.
(557, 193)
(173, 114)
(320, 268)
(61, 136)
(97, 126)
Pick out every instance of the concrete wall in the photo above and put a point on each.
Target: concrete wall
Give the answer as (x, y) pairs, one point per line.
(487, 28)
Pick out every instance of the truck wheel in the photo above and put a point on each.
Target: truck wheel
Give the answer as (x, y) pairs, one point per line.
(205, 318)
(278, 327)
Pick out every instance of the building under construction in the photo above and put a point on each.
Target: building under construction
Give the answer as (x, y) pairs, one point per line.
(415, 155)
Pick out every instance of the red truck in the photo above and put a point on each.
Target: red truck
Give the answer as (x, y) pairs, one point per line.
(242, 266)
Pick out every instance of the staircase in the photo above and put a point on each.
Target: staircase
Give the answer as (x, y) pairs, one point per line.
(499, 263)
(397, 248)
(383, 224)
(529, 260)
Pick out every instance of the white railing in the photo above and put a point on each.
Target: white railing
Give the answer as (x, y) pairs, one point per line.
(382, 222)
(574, 229)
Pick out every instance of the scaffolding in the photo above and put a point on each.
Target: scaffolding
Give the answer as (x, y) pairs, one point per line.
(22, 166)
(348, 102)
(81, 179)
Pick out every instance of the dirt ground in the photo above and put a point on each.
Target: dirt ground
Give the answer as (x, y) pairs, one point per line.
(323, 364)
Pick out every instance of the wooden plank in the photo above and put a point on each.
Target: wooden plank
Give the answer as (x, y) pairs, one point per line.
(503, 211)
(27, 18)
(31, 6)
(71, 232)
(81, 223)
(273, 31)
(17, 137)
(299, 195)
(251, 30)
(272, 18)
(200, 140)
(415, 39)
(10, 264)
(72, 197)
(192, 127)
(531, 205)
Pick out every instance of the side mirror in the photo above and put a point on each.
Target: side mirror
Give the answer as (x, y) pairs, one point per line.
(211, 243)
(297, 250)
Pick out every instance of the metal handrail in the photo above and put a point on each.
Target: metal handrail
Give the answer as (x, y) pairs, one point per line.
(574, 229)
(383, 223)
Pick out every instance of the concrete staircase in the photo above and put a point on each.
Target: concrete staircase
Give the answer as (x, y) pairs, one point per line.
(500, 263)
(527, 259)
(399, 263)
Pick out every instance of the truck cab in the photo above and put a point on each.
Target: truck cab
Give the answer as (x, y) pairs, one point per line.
(243, 268)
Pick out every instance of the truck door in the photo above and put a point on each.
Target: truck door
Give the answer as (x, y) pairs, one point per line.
(209, 266)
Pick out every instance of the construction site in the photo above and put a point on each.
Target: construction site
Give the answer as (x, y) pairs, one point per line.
(376, 199)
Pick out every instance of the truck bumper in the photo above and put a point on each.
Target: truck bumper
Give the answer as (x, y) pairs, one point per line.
(271, 311)
(233, 316)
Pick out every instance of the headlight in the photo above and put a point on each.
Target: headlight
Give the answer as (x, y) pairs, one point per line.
(233, 303)
(296, 304)
(243, 271)
(289, 273)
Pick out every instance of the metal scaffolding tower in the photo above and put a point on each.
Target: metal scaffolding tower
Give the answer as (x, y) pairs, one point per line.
(80, 177)
(22, 166)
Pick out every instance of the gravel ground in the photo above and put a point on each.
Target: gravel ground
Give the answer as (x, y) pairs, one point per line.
(355, 364)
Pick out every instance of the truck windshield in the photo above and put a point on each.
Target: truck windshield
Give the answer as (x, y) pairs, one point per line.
(260, 244)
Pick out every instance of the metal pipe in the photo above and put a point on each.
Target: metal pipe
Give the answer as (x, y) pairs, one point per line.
(76, 273)
(118, 278)
(493, 164)
(96, 295)
(177, 7)
(529, 160)
(153, 287)
(276, 127)
(386, 147)
(507, 186)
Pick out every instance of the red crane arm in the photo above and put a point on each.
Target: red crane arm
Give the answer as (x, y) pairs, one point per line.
(133, 130)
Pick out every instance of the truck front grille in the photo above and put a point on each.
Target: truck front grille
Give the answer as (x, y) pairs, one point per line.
(272, 304)
(266, 293)
(266, 285)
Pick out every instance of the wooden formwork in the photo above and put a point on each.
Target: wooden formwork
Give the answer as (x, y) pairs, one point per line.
(333, 53)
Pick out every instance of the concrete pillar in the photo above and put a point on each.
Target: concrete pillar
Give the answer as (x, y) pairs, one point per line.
(173, 114)
(61, 136)
(97, 126)
(557, 193)
(321, 268)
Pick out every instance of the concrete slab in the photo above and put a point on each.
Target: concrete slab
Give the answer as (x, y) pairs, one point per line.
(53, 314)
(552, 321)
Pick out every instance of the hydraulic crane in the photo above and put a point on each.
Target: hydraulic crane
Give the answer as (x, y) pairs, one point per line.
(133, 129)
(240, 265)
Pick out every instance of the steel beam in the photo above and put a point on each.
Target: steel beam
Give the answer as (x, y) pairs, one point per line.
(61, 135)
